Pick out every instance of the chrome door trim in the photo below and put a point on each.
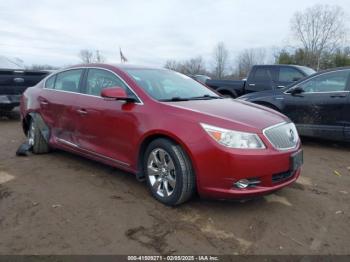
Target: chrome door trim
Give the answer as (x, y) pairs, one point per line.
(92, 67)
(325, 73)
(63, 141)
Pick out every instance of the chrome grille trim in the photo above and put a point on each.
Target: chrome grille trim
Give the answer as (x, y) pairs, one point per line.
(279, 138)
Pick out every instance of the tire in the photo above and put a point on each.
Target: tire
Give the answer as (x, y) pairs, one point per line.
(36, 139)
(168, 172)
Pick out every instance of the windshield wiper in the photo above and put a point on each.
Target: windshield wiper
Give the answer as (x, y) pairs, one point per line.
(174, 99)
(205, 97)
(179, 99)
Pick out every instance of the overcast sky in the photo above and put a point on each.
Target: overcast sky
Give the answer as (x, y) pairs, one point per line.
(148, 31)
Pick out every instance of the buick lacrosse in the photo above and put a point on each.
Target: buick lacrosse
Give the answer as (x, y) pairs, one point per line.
(166, 128)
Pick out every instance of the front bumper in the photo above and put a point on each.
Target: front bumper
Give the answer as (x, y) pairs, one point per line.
(218, 168)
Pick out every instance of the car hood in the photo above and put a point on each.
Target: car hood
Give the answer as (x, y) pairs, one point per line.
(231, 113)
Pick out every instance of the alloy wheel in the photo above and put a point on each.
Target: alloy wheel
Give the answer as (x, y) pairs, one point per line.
(161, 172)
(31, 134)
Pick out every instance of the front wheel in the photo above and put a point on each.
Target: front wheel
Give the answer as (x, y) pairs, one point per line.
(169, 173)
(36, 140)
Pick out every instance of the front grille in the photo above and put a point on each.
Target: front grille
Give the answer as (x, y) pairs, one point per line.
(282, 136)
(281, 177)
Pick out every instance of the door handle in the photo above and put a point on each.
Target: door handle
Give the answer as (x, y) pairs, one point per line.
(281, 86)
(82, 111)
(251, 84)
(44, 102)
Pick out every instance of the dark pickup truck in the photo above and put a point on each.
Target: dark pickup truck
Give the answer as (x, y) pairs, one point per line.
(260, 78)
(13, 83)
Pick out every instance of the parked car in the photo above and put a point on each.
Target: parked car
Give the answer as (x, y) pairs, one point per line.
(13, 82)
(319, 105)
(260, 78)
(164, 127)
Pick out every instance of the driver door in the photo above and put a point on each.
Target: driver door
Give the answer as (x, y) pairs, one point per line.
(319, 110)
(105, 127)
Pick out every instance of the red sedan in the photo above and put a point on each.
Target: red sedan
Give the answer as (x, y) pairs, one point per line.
(166, 128)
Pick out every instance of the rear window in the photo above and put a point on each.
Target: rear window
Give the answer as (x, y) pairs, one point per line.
(50, 82)
(68, 80)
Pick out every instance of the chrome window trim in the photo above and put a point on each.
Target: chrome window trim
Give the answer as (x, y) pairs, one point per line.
(140, 102)
(63, 141)
(277, 125)
(325, 73)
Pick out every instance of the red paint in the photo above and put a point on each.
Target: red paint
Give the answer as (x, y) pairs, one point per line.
(117, 129)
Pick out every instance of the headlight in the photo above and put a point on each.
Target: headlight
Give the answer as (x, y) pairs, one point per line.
(234, 139)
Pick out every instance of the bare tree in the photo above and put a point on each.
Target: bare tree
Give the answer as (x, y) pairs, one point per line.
(172, 65)
(194, 66)
(249, 57)
(319, 29)
(98, 58)
(89, 56)
(86, 56)
(220, 60)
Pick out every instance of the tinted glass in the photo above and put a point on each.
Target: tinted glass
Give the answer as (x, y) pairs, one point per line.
(50, 82)
(263, 74)
(165, 84)
(289, 74)
(98, 79)
(69, 80)
(330, 82)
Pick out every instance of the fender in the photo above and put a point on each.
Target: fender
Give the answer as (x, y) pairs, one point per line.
(43, 127)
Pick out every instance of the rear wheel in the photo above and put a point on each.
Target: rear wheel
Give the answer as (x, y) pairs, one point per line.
(169, 173)
(36, 139)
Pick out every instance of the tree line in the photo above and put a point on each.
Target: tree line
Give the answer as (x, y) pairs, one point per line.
(319, 40)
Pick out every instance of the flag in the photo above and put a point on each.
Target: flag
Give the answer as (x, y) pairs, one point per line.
(122, 57)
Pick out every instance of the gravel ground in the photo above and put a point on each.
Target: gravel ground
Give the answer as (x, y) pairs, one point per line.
(60, 203)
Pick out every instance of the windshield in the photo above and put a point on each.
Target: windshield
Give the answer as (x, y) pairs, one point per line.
(166, 85)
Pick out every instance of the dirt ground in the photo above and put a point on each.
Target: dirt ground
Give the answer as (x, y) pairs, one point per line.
(60, 203)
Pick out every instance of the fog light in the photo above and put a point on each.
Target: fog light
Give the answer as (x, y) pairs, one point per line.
(243, 183)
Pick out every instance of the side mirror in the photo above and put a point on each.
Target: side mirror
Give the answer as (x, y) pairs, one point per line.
(117, 93)
(296, 91)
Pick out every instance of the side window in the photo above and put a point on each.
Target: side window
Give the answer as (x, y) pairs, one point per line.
(50, 82)
(263, 75)
(331, 82)
(99, 79)
(69, 80)
(289, 74)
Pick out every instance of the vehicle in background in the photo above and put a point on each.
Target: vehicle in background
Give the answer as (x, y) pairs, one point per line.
(201, 78)
(260, 78)
(166, 128)
(13, 82)
(319, 105)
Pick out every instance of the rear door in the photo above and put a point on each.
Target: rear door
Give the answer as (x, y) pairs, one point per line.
(58, 103)
(106, 127)
(261, 78)
(322, 109)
